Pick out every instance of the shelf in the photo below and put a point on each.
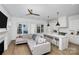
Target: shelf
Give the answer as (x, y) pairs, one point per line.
(2, 30)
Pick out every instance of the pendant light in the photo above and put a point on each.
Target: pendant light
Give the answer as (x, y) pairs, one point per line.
(48, 22)
(57, 24)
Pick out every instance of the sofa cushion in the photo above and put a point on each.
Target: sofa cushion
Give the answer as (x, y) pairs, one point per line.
(34, 36)
(40, 40)
(37, 37)
(31, 43)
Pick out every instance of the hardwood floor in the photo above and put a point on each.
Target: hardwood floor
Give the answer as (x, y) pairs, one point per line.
(14, 49)
(23, 49)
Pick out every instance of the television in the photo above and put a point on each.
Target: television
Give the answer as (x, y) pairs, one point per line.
(3, 20)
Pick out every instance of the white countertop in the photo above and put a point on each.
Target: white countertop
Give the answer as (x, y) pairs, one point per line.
(56, 35)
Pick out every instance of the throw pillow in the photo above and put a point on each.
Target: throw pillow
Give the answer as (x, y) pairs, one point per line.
(37, 37)
(40, 40)
(34, 36)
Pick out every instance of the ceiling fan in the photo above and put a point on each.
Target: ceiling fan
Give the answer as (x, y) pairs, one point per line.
(31, 12)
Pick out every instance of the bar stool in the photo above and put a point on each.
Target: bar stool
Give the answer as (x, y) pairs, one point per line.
(57, 40)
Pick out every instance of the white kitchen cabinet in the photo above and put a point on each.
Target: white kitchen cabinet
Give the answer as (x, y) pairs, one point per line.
(63, 21)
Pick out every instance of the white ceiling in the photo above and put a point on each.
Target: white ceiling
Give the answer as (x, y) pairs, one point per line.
(20, 10)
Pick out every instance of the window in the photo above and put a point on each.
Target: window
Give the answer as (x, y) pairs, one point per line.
(22, 29)
(19, 30)
(25, 29)
(40, 28)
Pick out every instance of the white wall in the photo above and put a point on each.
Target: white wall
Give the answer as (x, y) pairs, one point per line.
(74, 22)
(16, 21)
(9, 32)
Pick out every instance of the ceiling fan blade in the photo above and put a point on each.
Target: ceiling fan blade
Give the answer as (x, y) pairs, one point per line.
(28, 14)
(35, 14)
(30, 11)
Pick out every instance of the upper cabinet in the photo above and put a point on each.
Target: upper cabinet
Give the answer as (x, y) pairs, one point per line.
(63, 21)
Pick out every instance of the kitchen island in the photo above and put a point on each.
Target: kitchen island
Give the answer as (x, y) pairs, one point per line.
(58, 40)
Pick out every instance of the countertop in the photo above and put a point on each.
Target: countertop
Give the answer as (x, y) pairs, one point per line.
(56, 35)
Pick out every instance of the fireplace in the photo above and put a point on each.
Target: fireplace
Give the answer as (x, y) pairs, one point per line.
(1, 47)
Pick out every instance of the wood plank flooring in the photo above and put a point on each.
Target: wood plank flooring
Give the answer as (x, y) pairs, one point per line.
(23, 49)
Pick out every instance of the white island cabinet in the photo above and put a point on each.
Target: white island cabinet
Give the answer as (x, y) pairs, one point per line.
(62, 42)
